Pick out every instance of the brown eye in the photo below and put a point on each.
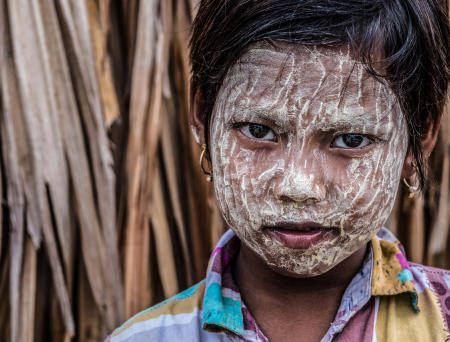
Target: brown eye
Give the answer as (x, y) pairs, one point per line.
(258, 131)
(351, 140)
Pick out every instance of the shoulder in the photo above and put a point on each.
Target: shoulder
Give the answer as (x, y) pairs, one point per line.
(431, 277)
(436, 283)
(167, 320)
(430, 322)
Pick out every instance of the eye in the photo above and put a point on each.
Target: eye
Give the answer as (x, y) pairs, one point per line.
(351, 140)
(258, 131)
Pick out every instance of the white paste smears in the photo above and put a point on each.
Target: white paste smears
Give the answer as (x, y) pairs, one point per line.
(307, 96)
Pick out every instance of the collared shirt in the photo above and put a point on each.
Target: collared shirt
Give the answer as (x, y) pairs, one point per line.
(389, 299)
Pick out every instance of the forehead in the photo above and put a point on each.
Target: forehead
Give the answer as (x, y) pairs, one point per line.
(287, 78)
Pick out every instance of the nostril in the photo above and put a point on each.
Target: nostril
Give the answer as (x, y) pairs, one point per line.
(299, 198)
(309, 200)
(284, 198)
(312, 200)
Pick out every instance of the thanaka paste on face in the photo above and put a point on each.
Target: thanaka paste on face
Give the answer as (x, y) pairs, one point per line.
(299, 92)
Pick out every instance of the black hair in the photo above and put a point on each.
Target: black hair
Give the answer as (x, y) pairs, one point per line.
(407, 39)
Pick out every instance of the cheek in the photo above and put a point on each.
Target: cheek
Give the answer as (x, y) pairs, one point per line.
(232, 172)
(243, 180)
(372, 185)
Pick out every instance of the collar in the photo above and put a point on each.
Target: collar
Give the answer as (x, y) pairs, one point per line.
(391, 273)
(385, 272)
(222, 305)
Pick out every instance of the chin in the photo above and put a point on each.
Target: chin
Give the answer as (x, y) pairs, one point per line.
(293, 270)
(299, 274)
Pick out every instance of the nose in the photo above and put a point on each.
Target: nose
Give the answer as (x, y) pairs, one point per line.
(301, 184)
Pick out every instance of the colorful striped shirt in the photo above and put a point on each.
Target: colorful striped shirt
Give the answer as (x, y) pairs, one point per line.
(389, 299)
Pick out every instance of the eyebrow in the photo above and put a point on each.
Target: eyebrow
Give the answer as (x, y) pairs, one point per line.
(364, 119)
(261, 114)
(360, 123)
(351, 126)
(279, 119)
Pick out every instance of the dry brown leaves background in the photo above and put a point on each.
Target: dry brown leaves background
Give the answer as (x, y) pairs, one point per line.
(104, 208)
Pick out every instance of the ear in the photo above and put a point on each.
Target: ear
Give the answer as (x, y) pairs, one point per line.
(196, 115)
(428, 141)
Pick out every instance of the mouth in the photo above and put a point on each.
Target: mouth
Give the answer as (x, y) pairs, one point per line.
(300, 235)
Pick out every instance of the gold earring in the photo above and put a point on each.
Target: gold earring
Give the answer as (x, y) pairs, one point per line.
(413, 189)
(207, 173)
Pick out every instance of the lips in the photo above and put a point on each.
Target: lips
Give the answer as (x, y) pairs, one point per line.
(303, 235)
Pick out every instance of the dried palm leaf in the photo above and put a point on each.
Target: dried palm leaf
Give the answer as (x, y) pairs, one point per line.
(98, 20)
(163, 240)
(141, 147)
(441, 226)
(28, 293)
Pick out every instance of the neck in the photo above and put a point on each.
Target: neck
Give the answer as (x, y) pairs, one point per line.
(264, 289)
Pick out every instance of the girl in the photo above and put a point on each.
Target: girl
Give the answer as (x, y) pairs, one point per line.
(310, 114)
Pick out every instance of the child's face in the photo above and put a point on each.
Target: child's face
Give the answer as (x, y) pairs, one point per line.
(302, 137)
